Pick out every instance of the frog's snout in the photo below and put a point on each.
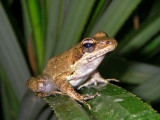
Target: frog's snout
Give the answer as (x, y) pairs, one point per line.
(112, 42)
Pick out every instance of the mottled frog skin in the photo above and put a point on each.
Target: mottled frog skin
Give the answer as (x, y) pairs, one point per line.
(72, 68)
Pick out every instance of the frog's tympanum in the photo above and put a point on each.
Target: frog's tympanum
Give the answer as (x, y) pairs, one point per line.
(72, 68)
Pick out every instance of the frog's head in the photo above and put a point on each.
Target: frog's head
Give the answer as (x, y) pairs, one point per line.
(97, 46)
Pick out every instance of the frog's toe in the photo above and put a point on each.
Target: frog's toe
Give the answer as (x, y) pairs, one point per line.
(87, 97)
(115, 80)
(104, 81)
(81, 87)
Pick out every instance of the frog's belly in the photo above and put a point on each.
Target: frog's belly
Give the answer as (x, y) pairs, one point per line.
(84, 70)
(77, 82)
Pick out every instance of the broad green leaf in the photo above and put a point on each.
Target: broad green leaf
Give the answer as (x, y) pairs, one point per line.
(8, 98)
(12, 60)
(46, 113)
(51, 35)
(138, 38)
(36, 22)
(113, 103)
(67, 109)
(30, 107)
(127, 71)
(44, 17)
(73, 24)
(149, 90)
(99, 8)
(5, 105)
(26, 21)
(115, 16)
(150, 49)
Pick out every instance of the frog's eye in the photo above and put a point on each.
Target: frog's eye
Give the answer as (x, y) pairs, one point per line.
(88, 45)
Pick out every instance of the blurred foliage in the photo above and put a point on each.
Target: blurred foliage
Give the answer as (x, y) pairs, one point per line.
(32, 31)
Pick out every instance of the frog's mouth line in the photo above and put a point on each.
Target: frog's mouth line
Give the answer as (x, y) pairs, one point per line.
(99, 54)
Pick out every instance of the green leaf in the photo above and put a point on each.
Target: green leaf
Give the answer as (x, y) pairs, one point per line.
(67, 109)
(113, 103)
(12, 60)
(149, 90)
(35, 17)
(115, 16)
(6, 108)
(51, 34)
(46, 113)
(44, 17)
(150, 49)
(5, 101)
(127, 71)
(99, 8)
(73, 24)
(9, 101)
(26, 21)
(30, 107)
(138, 38)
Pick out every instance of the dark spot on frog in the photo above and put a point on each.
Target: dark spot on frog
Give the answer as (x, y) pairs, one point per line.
(77, 54)
(73, 62)
(72, 73)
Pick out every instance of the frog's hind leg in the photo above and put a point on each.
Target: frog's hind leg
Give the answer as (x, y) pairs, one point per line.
(43, 86)
(66, 88)
(87, 97)
(96, 78)
(41, 94)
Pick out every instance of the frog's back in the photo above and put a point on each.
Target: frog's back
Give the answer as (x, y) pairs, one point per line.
(58, 65)
(61, 63)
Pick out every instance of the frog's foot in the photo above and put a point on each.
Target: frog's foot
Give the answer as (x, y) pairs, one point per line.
(87, 97)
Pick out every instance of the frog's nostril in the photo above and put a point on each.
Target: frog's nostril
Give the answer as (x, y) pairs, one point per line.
(107, 42)
(112, 42)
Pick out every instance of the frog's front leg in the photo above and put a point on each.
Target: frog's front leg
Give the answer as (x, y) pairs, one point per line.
(95, 78)
(64, 86)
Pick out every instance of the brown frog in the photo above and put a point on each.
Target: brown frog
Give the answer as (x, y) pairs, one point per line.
(73, 67)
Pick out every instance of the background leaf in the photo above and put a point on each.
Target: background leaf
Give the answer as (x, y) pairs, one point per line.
(116, 13)
(140, 37)
(35, 18)
(13, 62)
(74, 23)
(33, 31)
